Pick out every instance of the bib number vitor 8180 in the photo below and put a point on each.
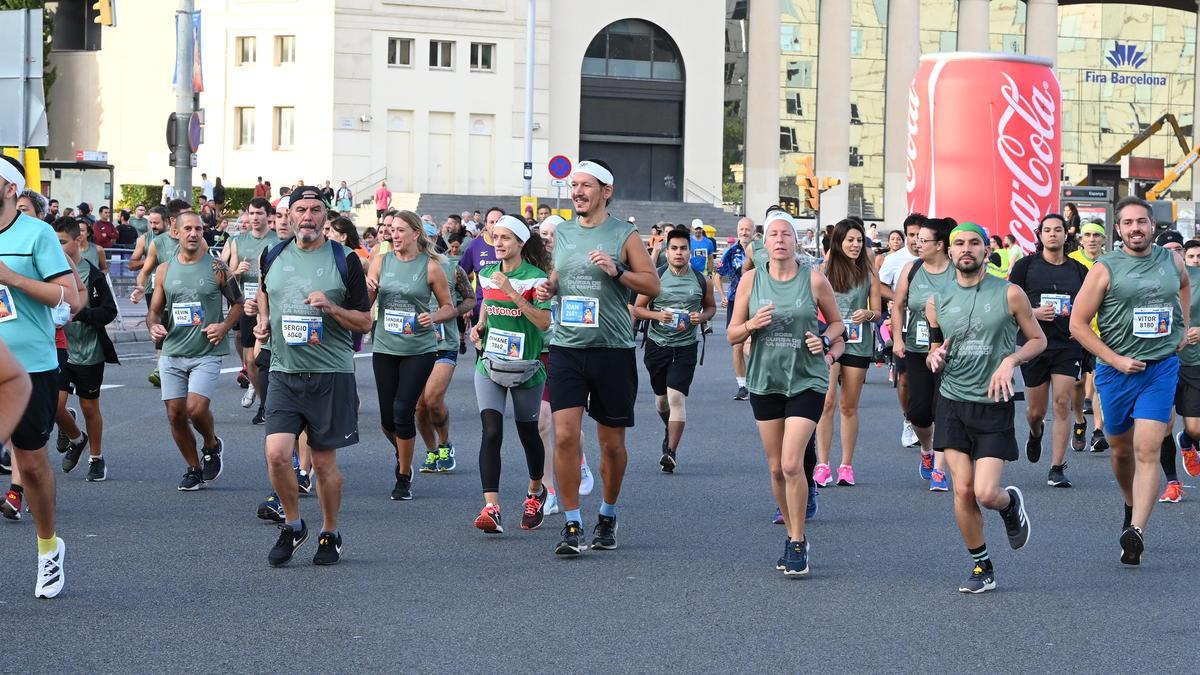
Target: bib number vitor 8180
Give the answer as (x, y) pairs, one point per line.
(1152, 322)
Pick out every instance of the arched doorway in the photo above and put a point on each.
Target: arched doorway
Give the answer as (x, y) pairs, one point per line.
(631, 109)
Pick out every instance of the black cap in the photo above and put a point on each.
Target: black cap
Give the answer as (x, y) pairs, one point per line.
(306, 192)
(1169, 237)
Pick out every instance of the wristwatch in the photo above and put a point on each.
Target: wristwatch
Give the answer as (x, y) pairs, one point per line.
(826, 343)
(620, 270)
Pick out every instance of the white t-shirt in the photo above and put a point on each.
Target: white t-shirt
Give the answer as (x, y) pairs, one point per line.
(893, 265)
(206, 189)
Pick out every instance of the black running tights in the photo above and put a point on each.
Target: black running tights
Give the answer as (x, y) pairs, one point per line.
(493, 438)
(400, 381)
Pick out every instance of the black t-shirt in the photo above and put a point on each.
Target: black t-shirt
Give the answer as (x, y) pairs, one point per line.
(1039, 278)
(126, 235)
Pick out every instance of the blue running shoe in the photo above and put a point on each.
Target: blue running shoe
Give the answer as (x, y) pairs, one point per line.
(271, 509)
(445, 458)
(795, 563)
(813, 506)
(927, 466)
(937, 481)
(778, 518)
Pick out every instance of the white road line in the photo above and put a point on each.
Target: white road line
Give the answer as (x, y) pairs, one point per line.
(238, 369)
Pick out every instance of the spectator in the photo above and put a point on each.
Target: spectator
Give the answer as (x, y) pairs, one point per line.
(344, 197)
(127, 234)
(703, 248)
(168, 192)
(206, 187)
(327, 194)
(138, 220)
(218, 194)
(543, 212)
(383, 199)
(262, 189)
(85, 214)
(52, 213)
(370, 239)
(283, 192)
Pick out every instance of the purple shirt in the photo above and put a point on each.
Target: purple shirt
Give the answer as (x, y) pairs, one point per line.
(477, 255)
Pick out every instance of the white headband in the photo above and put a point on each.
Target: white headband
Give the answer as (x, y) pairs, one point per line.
(785, 217)
(11, 174)
(596, 171)
(514, 225)
(553, 220)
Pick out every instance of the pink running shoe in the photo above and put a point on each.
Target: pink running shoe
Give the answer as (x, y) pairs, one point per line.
(845, 475)
(822, 476)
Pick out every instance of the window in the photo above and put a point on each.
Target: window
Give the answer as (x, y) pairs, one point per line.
(635, 49)
(483, 56)
(246, 50)
(400, 52)
(441, 54)
(794, 105)
(285, 128)
(243, 120)
(285, 49)
(787, 140)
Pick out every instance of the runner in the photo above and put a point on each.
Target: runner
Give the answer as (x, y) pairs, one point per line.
(930, 275)
(703, 248)
(509, 334)
(1187, 393)
(1087, 401)
(973, 325)
(35, 281)
(156, 219)
(788, 370)
(320, 297)
(1051, 281)
(547, 230)
(409, 282)
(478, 254)
(732, 262)
(598, 260)
(1173, 493)
(856, 290)
(163, 247)
(1141, 296)
(684, 302)
(88, 349)
(889, 278)
(244, 253)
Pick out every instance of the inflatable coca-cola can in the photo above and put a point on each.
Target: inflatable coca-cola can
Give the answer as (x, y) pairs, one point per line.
(985, 141)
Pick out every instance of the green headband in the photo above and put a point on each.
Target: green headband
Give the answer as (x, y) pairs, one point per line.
(1093, 228)
(971, 228)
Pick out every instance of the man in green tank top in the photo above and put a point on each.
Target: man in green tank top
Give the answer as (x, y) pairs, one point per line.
(244, 252)
(684, 302)
(597, 261)
(973, 326)
(160, 247)
(1187, 393)
(1140, 295)
(191, 288)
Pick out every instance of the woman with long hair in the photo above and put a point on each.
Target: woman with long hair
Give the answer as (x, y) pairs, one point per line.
(343, 231)
(855, 286)
(509, 336)
(405, 338)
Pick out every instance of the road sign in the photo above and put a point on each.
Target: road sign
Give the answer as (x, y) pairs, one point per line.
(528, 172)
(558, 182)
(559, 167)
(194, 137)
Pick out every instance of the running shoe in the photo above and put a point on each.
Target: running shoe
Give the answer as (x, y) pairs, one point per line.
(810, 511)
(11, 506)
(402, 492)
(97, 470)
(211, 460)
(795, 564)
(782, 562)
(243, 380)
(1016, 525)
(1173, 494)
(777, 519)
(259, 418)
(1132, 545)
(153, 378)
(1191, 457)
(822, 476)
(533, 515)
(1099, 441)
(1087, 406)
(926, 467)
(586, 481)
(488, 520)
(845, 475)
(5, 460)
(551, 506)
(981, 580)
(742, 394)
(572, 539)
(285, 546)
(50, 575)
(667, 462)
(1079, 436)
(73, 453)
(1033, 446)
(63, 443)
(271, 509)
(248, 397)
(192, 480)
(445, 458)
(1058, 477)
(908, 437)
(430, 465)
(329, 549)
(604, 535)
(937, 481)
(304, 482)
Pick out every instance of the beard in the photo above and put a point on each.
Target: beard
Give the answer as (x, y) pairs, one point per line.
(307, 235)
(968, 266)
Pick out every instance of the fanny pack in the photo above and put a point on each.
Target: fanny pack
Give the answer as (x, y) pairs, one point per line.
(510, 374)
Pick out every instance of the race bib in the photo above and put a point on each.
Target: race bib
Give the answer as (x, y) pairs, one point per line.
(187, 314)
(580, 311)
(505, 344)
(922, 338)
(441, 332)
(302, 330)
(680, 320)
(1152, 322)
(8, 306)
(397, 322)
(854, 333)
(1059, 301)
(907, 318)
(250, 290)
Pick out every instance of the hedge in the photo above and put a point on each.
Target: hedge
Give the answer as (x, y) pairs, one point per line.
(236, 198)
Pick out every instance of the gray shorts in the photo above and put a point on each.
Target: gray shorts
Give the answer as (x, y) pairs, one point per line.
(183, 375)
(527, 403)
(324, 404)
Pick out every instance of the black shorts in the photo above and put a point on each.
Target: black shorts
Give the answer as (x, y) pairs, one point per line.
(83, 381)
(855, 361)
(670, 367)
(263, 360)
(33, 431)
(922, 389)
(1088, 363)
(1187, 391)
(978, 429)
(807, 404)
(901, 365)
(1060, 361)
(324, 404)
(246, 331)
(602, 379)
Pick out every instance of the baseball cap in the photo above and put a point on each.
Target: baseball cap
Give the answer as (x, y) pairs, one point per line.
(306, 192)
(696, 222)
(1168, 237)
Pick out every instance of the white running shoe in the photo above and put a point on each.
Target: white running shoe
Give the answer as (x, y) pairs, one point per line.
(50, 572)
(248, 397)
(551, 506)
(586, 481)
(908, 437)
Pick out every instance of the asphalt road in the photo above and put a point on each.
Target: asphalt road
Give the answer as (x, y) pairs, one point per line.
(158, 579)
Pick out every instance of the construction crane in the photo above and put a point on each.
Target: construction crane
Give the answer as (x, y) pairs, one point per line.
(1174, 174)
(1144, 135)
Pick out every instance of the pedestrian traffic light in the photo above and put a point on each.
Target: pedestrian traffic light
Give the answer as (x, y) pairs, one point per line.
(104, 12)
(812, 192)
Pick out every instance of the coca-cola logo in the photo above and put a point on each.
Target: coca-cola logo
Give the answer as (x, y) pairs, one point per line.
(914, 119)
(1032, 163)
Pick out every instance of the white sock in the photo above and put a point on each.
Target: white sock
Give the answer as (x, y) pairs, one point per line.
(77, 439)
(741, 381)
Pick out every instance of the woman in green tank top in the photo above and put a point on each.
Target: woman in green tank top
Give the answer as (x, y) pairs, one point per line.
(788, 371)
(405, 340)
(856, 289)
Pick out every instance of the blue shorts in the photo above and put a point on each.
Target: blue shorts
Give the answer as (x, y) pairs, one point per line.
(447, 356)
(1147, 395)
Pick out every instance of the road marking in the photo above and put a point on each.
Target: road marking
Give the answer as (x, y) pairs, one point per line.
(110, 386)
(238, 369)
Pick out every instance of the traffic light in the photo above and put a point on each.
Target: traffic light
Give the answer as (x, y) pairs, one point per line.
(104, 12)
(812, 192)
(830, 183)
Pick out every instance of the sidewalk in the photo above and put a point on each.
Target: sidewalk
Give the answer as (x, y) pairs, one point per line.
(130, 325)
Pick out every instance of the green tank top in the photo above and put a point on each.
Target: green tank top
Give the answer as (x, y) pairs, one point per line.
(593, 308)
(981, 332)
(92, 255)
(780, 362)
(1140, 314)
(83, 345)
(924, 284)
(250, 248)
(681, 294)
(303, 339)
(860, 338)
(403, 294)
(193, 302)
(510, 335)
(1190, 356)
(448, 334)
